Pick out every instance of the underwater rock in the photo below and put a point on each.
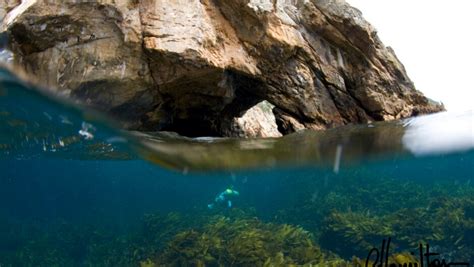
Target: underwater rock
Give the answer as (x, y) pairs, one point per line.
(195, 68)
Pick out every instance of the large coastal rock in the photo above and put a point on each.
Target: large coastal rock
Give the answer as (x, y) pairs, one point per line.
(200, 67)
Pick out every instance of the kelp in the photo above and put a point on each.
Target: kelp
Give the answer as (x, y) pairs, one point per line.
(371, 195)
(445, 223)
(398, 259)
(353, 233)
(339, 223)
(245, 242)
(66, 244)
(351, 213)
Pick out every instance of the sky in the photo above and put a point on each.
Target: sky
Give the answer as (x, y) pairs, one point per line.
(434, 39)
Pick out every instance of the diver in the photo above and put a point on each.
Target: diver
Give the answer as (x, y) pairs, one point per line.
(225, 197)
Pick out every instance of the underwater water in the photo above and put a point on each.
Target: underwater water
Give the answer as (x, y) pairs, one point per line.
(76, 191)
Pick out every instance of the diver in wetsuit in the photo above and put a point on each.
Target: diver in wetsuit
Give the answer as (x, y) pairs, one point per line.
(224, 197)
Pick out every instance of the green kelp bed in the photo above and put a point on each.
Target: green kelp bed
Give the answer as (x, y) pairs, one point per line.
(328, 229)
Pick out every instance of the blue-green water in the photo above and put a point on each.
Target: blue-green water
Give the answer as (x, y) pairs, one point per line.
(75, 191)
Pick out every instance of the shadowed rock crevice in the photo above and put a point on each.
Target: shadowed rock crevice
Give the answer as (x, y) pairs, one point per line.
(242, 68)
(211, 115)
(49, 32)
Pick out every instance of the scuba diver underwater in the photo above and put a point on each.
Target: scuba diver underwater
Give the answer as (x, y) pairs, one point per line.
(224, 198)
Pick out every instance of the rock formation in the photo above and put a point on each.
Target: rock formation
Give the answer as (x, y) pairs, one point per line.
(197, 66)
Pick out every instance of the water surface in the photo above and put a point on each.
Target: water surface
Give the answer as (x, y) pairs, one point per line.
(77, 191)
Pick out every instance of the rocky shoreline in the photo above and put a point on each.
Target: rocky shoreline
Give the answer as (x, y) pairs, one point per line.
(240, 68)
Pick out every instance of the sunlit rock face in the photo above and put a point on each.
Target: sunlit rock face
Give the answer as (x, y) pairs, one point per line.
(258, 121)
(197, 66)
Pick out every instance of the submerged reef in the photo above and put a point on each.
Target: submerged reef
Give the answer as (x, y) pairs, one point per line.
(336, 227)
(175, 240)
(350, 215)
(226, 242)
(321, 197)
(446, 224)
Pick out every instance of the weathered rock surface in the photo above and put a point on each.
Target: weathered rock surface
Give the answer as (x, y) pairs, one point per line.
(6, 6)
(258, 121)
(197, 66)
